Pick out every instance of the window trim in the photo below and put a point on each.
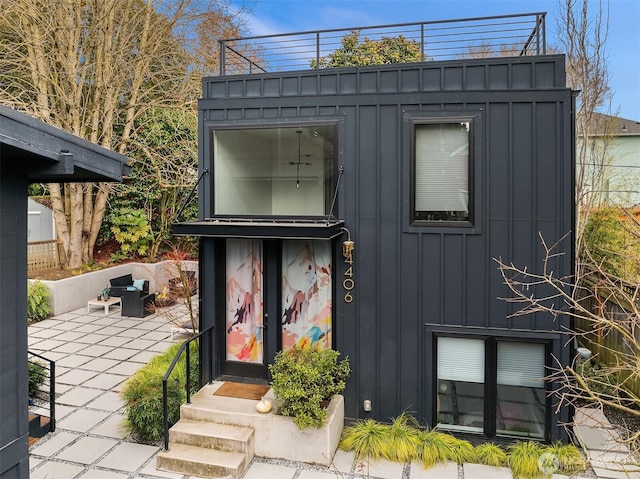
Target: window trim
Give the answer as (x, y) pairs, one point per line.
(410, 121)
(490, 381)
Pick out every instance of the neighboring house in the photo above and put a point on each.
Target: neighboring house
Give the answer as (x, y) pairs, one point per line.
(30, 151)
(433, 170)
(40, 223)
(617, 141)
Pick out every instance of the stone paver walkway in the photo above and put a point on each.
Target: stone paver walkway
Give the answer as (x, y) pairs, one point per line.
(95, 354)
(608, 456)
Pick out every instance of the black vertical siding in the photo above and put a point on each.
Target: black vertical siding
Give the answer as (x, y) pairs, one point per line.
(410, 280)
(13, 331)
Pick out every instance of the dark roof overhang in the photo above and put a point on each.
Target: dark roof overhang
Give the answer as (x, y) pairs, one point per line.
(49, 154)
(280, 228)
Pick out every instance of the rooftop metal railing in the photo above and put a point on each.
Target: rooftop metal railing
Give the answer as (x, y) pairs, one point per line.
(505, 35)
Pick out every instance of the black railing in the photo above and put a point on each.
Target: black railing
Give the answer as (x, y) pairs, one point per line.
(184, 348)
(504, 35)
(50, 384)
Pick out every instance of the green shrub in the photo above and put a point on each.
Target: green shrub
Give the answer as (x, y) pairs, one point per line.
(600, 381)
(37, 375)
(523, 459)
(142, 394)
(131, 229)
(303, 379)
(462, 451)
(404, 439)
(435, 447)
(570, 459)
(369, 439)
(491, 454)
(37, 301)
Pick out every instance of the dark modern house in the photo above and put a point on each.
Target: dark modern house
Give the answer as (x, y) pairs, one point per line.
(30, 151)
(362, 209)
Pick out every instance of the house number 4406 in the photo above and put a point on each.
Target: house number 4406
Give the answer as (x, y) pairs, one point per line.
(347, 283)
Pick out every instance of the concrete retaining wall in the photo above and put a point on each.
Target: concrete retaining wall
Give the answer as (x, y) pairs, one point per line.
(73, 293)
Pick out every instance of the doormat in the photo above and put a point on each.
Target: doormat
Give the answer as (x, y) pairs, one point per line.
(242, 390)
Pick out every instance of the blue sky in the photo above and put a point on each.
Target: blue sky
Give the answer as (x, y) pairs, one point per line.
(283, 16)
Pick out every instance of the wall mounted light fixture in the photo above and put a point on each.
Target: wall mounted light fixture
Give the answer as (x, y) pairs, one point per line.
(348, 245)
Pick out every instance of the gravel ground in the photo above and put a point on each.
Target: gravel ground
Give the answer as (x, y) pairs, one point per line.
(625, 422)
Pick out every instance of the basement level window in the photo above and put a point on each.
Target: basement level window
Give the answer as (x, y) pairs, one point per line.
(491, 387)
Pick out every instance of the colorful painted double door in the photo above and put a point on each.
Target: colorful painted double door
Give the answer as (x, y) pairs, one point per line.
(278, 296)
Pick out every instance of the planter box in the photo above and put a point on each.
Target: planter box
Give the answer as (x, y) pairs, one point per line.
(278, 437)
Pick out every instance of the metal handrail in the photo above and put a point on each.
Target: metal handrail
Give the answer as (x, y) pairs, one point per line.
(52, 389)
(183, 347)
(523, 34)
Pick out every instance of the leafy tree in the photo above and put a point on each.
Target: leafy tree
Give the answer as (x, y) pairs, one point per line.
(94, 68)
(611, 240)
(357, 52)
(164, 170)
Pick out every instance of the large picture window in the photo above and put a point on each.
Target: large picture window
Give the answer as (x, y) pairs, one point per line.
(442, 183)
(491, 387)
(278, 171)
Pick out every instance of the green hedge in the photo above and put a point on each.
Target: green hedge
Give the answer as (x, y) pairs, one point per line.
(142, 394)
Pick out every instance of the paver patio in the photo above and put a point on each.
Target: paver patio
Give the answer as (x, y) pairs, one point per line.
(95, 354)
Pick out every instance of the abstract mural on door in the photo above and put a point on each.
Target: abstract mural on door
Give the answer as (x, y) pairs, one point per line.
(306, 294)
(244, 300)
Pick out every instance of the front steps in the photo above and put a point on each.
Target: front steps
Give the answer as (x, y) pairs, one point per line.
(233, 426)
(208, 449)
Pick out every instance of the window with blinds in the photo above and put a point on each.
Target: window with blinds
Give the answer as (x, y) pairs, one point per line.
(521, 399)
(491, 386)
(460, 386)
(442, 171)
(461, 359)
(521, 364)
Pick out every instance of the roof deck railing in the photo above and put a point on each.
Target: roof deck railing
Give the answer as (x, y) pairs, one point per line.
(505, 35)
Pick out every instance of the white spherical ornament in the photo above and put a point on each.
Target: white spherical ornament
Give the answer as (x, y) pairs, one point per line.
(263, 406)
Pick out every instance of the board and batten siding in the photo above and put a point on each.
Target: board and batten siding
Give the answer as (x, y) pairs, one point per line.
(14, 426)
(411, 281)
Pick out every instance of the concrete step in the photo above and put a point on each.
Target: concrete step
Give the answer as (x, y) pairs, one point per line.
(223, 437)
(205, 406)
(202, 462)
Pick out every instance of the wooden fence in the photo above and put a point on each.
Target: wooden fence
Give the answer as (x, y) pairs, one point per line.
(42, 255)
(609, 344)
